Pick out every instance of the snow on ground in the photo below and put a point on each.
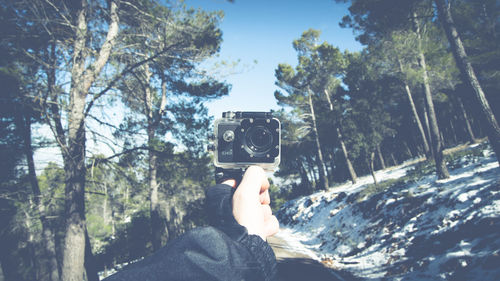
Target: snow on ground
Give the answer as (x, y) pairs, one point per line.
(420, 229)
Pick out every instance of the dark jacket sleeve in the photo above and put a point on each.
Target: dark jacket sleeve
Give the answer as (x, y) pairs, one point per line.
(224, 251)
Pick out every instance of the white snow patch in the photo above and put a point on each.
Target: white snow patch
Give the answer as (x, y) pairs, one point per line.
(374, 239)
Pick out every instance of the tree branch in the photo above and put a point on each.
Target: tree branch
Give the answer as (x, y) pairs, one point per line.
(107, 159)
(123, 73)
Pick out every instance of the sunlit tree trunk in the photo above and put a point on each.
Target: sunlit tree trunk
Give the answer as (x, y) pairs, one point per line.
(468, 126)
(370, 162)
(155, 211)
(415, 114)
(437, 144)
(323, 179)
(82, 77)
(159, 230)
(350, 168)
(380, 157)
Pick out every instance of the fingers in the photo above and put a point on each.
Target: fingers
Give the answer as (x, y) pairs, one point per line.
(271, 226)
(264, 198)
(266, 211)
(255, 180)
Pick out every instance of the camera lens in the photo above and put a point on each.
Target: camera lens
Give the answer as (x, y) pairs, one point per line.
(259, 138)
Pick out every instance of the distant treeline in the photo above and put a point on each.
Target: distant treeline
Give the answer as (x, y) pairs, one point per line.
(416, 88)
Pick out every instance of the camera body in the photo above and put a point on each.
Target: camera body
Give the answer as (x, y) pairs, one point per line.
(247, 138)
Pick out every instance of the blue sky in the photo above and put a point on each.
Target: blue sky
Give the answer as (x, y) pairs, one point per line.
(259, 33)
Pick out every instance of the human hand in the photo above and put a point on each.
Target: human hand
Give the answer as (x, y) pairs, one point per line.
(251, 203)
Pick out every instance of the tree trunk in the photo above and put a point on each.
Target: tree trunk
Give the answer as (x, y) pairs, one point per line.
(105, 216)
(468, 73)
(352, 172)
(90, 263)
(47, 260)
(453, 131)
(395, 163)
(74, 242)
(313, 175)
(371, 165)
(427, 128)
(159, 230)
(304, 179)
(437, 145)
(380, 157)
(468, 126)
(321, 164)
(82, 78)
(350, 168)
(415, 115)
(408, 150)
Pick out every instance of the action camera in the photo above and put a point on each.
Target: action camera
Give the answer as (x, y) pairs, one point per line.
(243, 139)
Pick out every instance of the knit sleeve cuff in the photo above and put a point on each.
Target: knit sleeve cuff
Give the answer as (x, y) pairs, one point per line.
(263, 254)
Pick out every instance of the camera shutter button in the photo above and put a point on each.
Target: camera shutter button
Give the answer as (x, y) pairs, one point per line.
(228, 136)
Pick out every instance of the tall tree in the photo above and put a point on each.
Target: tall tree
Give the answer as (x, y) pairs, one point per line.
(328, 66)
(436, 141)
(167, 93)
(82, 37)
(370, 94)
(83, 76)
(396, 56)
(298, 84)
(18, 78)
(468, 73)
(369, 17)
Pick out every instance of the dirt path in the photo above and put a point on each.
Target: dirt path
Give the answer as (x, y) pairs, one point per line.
(293, 266)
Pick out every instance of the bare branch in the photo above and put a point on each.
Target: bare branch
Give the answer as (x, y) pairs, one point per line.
(123, 73)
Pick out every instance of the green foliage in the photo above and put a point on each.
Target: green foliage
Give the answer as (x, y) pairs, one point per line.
(98, 227)
(131, 241)
(421, 169)
(279, 196)
(373, 189)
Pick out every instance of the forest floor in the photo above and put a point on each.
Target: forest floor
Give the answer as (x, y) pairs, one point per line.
(411, 226)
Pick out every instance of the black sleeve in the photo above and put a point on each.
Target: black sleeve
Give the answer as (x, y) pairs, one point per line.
(222, 252)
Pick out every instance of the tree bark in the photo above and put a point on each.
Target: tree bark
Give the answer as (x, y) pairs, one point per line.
(380, 157)
(428, 128)
(82, 78)
(395, 163)
(468, 127)
(323, 179)
(437, 145)
(408, 150)
(468, 73)
(304, 179)
(159, 230)
(371, 165)
(310, 166)
(350, 168)
(90, 263)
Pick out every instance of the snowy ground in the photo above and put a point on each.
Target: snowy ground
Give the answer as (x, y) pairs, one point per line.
(421, 229)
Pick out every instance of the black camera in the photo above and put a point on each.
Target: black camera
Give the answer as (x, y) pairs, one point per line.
(247, 138)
